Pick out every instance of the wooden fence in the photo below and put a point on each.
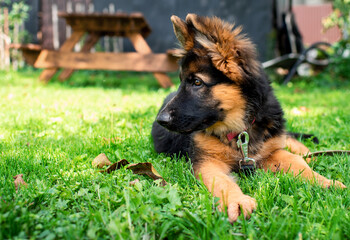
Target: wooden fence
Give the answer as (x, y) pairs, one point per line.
(4, 40)
(52, 33)
(54, 30)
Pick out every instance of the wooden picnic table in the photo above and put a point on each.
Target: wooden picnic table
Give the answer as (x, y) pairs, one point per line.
(131, 26)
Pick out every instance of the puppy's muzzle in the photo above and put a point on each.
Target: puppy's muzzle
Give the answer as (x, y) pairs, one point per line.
(164, 118)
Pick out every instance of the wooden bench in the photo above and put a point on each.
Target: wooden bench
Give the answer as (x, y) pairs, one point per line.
(29, 51)
(131, 26)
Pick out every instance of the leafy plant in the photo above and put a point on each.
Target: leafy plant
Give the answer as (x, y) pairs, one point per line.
(18, 13)
(340, 17)
(51, 135)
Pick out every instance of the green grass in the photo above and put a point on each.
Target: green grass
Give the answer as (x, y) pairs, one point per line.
(51, 133)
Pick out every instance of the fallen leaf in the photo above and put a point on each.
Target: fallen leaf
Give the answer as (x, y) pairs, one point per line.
(299, 90)
(111, 140)
(304, 109)
(19, 181)
(116, 166)
(137, 168)
(300, 236)
(100, 161)
(146, 169)
(132, 183)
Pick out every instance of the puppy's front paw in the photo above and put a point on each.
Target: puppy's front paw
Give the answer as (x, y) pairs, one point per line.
(333, 183)
(236, 203)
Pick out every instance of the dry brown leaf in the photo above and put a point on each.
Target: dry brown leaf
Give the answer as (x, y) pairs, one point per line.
(304, 109)
(299, 90)
(146, 169)
(116, 166)
(137, 168)
(19, 181)
(100, 161)
(132, 183)
(111, 140)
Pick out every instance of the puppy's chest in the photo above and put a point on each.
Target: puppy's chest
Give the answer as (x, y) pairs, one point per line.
(237, 152)
(222, 149)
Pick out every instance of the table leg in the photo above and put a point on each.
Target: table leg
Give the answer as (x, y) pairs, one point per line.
(67, 46)
(91, 40)
(141, 46)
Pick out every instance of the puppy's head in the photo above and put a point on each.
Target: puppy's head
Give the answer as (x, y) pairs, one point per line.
(216, 62)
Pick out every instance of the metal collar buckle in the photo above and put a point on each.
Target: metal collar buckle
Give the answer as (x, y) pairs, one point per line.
(247, 163)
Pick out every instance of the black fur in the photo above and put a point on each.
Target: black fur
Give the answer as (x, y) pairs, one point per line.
(192, 110)
(170, 142)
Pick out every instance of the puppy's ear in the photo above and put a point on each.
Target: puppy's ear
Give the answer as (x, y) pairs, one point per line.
(182, 32)
(231, 51)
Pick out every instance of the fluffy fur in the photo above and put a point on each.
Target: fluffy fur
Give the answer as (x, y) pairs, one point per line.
(224, 90)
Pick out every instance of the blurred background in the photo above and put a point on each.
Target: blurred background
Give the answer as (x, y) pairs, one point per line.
(277, 27)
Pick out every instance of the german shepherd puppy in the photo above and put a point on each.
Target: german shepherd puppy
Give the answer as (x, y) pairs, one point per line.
(224, 92)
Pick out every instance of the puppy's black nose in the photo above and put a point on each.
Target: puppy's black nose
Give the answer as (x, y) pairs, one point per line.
(164, 118)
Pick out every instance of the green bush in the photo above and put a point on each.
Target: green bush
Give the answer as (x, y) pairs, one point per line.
(18, 13)
(340, 17)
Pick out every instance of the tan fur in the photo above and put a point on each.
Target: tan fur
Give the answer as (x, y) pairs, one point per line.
(276, 158)
(214, 169)
(205, 78)
(282, 160)
(226, 45)
(298, 148)
(182, 33)
(193, 67)
(232, 53)
(272, 145)
(228, 49)
(233, 104)
(212, 147)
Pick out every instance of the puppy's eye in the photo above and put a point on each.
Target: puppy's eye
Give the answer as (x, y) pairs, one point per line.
(197, 82)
